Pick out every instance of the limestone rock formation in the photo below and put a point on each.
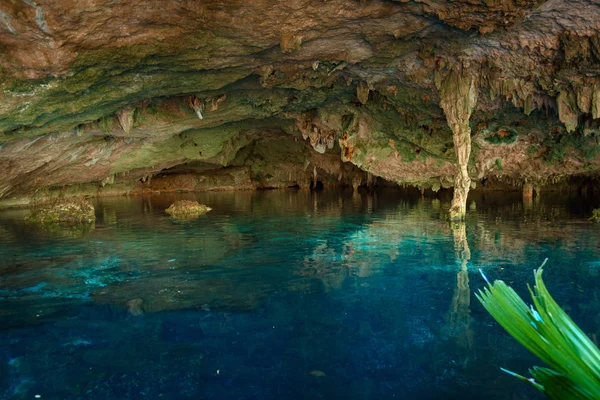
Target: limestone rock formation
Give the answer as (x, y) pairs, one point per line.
(105, 97)
(458, 97)
(186, 209)
(75, 211)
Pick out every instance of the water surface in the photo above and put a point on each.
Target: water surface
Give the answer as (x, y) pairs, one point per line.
(284, 294)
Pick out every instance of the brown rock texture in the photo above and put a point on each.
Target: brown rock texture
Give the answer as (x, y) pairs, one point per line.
(186, 209)
(105, 97)
(73, 211)
(458, 97)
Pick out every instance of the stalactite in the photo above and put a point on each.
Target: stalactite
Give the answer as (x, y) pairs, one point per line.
(575, 96)
(584, 98)
(195, 103)
(319, 137)
(216, 100)
(362, 92)
(458, 97)
(518, 91)
(125, 117)
(567, 111)
(596, 103)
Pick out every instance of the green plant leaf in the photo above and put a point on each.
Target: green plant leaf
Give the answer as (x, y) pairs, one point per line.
(548, 332)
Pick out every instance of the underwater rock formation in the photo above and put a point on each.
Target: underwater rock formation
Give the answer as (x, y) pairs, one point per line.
(134, 307)
(103, 98)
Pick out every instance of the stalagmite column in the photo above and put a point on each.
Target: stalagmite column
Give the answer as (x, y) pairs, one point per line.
(458, 96)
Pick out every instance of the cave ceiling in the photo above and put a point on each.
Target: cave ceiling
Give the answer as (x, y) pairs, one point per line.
(104, 90)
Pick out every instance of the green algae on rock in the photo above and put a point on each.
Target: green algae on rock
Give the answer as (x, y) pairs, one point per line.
(187, 209)
(394, 88)
(75, 211)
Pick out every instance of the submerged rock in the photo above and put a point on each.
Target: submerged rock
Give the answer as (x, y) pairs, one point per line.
(134, 307)
(72, 211)
(186, 209)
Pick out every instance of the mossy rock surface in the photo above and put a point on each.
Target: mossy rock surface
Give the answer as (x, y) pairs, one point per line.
(502, 136)
(70, 211)
(64, 230)
(186, 209)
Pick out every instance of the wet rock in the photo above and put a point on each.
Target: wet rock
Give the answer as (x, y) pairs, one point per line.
(362, 92)
(134, 307)
(74, 211)
(126, 119)
(186, 209)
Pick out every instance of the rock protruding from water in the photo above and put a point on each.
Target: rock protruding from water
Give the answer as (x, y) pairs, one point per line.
(186, 209)
(71, 211)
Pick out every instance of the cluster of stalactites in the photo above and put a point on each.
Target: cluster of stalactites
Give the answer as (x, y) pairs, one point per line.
(579, 98)
(518, 91)
(574, 98)
(198, 105)
(320, 138)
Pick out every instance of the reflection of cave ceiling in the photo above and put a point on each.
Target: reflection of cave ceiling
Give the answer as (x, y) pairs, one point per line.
(94, 89)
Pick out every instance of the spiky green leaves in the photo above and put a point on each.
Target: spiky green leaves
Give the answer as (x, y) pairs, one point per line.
(548, 332)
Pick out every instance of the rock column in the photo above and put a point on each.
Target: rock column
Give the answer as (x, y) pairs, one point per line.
(458, 97)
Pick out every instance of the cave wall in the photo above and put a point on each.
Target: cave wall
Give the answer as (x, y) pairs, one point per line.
(104, 97)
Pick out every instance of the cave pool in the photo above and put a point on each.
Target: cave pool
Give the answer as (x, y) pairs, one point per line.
(285, 294)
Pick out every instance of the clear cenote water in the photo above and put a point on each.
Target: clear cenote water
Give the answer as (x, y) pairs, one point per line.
(284, 295)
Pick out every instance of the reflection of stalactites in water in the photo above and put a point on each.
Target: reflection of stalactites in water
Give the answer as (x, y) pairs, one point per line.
(356, 200)
(109, 216)
(458, 319)
(147, 205)
(322, 265)
(461, 245)
(527, 196)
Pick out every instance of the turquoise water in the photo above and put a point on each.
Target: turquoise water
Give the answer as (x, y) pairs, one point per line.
(284, 295)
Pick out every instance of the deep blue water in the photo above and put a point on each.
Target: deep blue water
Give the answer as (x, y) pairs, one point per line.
(284, 295)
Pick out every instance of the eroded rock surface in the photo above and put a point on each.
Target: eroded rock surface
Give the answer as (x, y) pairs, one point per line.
(72, 211)
(186, 209)
(108, 98)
